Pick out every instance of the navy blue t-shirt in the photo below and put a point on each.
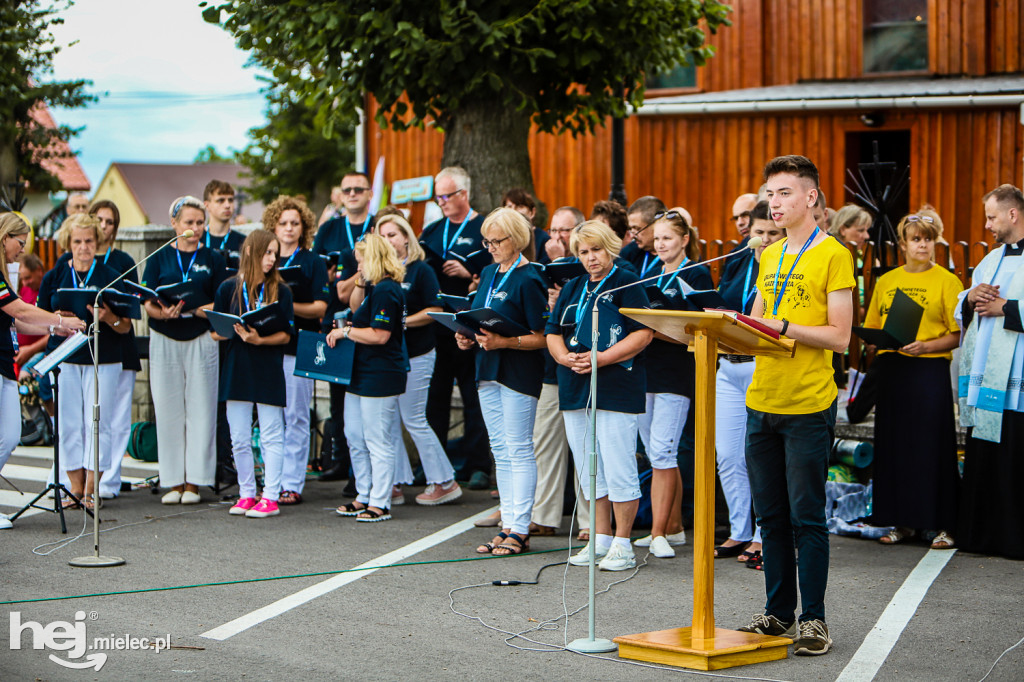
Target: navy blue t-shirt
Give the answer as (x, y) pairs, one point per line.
(738, 272)
(645, 263)
(248, 372)
(540, 238)
(463, 238)
(522, 298)
(63, 276)
(380, 371)
(7, 295)
(166, 268)
(229, 246)
(618, 389)
(670, 366)
(338, 234)
(420, 287)
(313, 287)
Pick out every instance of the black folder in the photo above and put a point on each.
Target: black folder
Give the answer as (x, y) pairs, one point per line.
(470, 322)
(314, 359)
(293, 277)
(190, 291)
(561, 271)
(474, 262)
(900, 326)
(456, 304)
(267, 320)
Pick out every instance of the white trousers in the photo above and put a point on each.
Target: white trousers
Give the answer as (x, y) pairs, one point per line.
(74, 415)
(10, 419)
(183, 380)
(121, 416)
(731, 384)
(617, 476)
(509, 418)
(369, 429)
(412, 407)
(552, 452)
(271, 420)
(298, 397)
(661, 426)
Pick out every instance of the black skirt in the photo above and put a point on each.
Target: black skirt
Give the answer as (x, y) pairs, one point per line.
(916, 479)
(991, 513)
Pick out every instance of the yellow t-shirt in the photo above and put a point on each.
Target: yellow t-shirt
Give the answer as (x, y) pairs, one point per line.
(804, 383)
(935, 289)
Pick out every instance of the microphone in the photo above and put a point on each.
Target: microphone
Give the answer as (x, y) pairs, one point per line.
(752, 244)
(188, 234)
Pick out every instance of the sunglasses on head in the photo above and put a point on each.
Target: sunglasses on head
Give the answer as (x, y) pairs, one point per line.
(920, 218)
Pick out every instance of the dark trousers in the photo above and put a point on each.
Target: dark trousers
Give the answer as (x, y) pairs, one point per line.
(787, 462)
(338, 446)
(458, 366)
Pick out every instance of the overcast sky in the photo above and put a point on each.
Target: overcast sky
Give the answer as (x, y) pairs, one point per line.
(175, 83)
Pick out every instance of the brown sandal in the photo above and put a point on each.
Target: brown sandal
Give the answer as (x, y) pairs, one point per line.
(506, 548)
(543, 531)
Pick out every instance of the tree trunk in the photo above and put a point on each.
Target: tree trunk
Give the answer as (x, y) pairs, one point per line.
(8, 163)
(489, 140)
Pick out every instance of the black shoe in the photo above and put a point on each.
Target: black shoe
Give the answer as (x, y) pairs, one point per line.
(350, 489)
(336, 472)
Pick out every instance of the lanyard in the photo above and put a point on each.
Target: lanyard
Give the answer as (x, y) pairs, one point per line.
(667, 284)
(106, 256)
(444, 239)
(779, 293)
(223, 240)
(494, 289)
(259, 297)
(583, 303)
(288, 262)
(181, 266)
(348, 231)
(74, 275)
(645, 268)
(748, 291)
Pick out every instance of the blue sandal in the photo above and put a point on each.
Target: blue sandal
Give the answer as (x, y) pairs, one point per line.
(488, 547)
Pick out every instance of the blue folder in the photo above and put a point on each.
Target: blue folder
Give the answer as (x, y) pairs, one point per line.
(314, 359)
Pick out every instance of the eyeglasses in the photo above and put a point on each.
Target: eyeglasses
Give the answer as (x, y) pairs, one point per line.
(741, 216)
(920, 218)
(560, 230)
(488, 243)
(445, 198)
(20, 241)
(354, 190)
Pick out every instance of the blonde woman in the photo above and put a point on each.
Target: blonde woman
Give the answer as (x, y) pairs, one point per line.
(421, 288)
(14, 312)
(378, 376)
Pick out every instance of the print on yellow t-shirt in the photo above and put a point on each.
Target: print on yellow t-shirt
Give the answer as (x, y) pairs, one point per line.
(802, 384)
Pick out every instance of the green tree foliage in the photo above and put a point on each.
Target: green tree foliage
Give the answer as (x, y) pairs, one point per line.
(483, 70)
(291, 155)
(210, 154)
(27, 49)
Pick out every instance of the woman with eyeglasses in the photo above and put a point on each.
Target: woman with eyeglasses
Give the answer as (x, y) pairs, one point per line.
(621, 381)
(80, 235)
(291, 221)
(379, 371)
(510, 371)
(183, 357)
(421, 288)
(671, 374)
(26, 318)
(915, 469)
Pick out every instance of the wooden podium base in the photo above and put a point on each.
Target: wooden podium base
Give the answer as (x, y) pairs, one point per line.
(729, 648)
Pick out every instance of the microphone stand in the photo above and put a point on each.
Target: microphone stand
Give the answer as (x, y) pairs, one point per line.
(97, 561)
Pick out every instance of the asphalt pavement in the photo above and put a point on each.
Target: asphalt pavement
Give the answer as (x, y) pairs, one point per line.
(194, 570)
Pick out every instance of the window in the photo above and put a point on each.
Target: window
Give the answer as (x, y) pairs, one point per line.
(895, 35)
(682, 76)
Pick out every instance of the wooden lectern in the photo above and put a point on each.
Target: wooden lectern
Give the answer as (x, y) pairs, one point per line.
(703, 646)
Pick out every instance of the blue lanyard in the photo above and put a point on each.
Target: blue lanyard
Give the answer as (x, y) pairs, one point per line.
(223, 240)
(493, 289)
(74, 275)
(259, 297)
(181, 266)
(348, 232)
(288, 262)
(444, 239)
(645, 268)
(748, 291)
(667, 284)
(583, 303)
(106, 256)
(779, 293)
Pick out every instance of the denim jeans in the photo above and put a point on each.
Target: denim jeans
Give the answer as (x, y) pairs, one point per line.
(787, 460)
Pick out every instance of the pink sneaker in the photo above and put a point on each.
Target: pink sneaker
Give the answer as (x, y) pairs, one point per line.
(243, 505)
(439, 493)
(397, 496)
(263, 509)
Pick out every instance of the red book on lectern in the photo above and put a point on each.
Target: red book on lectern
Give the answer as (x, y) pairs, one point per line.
(756, 324)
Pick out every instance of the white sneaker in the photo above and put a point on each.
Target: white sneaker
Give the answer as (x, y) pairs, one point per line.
(582, 557)
(173, 497)
(618, 558)
(661, 548)
(189, 497)
(5, 522)
(674, 539)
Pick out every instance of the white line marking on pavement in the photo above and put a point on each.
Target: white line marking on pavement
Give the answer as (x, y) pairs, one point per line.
(310, 593)
(882, 638)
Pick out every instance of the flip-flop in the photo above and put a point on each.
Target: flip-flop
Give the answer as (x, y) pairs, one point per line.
(724, 551)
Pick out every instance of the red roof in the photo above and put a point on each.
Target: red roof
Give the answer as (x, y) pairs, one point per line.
(62, 162)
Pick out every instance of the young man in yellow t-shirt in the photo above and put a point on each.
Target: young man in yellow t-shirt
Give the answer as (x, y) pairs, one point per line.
(804, 292)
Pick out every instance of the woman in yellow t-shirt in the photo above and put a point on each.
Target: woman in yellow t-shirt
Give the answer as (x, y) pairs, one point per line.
(915, 482)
